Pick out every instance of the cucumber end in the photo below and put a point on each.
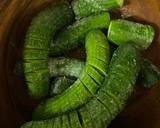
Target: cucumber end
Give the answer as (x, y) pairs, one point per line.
(120, 2)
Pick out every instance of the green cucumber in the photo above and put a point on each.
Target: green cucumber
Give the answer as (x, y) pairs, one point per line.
(44, 26)
(40, 124)
(83, 8)
(37, 43)
(65, 67)
(122, 73)
(85, 117)
(60, 84)
(74, 120)
(123, 32)
(70, 37)
(65, 121)
(149, 74)
(35, 54)
(78, 94)
(111, 97)
(98, 113)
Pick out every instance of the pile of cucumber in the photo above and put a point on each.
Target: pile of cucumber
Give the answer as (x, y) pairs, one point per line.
(90, 93)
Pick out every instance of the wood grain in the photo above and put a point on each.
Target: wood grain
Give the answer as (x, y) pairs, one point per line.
(15, 104)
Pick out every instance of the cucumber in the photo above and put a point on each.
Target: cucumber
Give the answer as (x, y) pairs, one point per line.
(74, 120)
(149, 74)
(40, 124)
(65, 121)
(44, 26)
(36, 83)
(71, 36)
(37, 43)
(122, 73)
(83, 8)
(34, 65)
(60, 84)
(58, 122)
(85, 117)
(65, 67)
(99, 113)
(123, 32)
(78, 94)
(111, 97)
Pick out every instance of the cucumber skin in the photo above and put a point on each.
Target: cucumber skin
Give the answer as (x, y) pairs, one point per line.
(74, 34)
(65, 67)
(124, 32)
(38, 38)
(73, 97)
(83, 8)
(123, 72)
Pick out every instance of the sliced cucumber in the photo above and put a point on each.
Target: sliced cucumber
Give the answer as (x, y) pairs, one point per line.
(123, 32)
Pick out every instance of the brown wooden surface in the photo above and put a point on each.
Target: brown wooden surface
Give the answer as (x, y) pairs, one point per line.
(15, 104)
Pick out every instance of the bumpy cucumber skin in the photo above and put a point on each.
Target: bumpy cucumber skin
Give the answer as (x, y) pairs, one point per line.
(123, 72)
(79, 93)
(37, 43)
(123, 32)
(149, 74)
(71, 37)
(83, 8)
(60, 84)
(65, 67)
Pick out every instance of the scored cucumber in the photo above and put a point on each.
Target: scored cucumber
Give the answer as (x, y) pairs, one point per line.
(37, 43)
(79, 93)
(122, 73)
(71, 37)
(65, 67)
(83, 8)
(123, 32)
(111, 97)
(60, 84)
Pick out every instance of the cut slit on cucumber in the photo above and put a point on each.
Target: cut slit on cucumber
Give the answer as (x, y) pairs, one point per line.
(85, 118)
(74, 120)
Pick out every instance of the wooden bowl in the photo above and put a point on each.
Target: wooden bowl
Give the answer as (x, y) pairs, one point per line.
(16, 105)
